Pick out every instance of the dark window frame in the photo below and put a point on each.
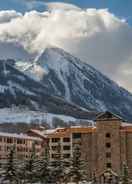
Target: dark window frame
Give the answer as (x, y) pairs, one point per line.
(108, 165)
(54, 140)
(108, 135)
(66, 139)
(108, 145)
(108, 154)
(76, 135)
(66, 147)
(66, 155)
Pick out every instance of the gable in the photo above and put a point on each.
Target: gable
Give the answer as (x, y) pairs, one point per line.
(107, 116)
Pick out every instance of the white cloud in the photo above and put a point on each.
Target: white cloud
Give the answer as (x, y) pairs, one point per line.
(96, 36)
(61, 6)
(7, 16)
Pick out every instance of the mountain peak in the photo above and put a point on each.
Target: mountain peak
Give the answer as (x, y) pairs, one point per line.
(52, 51)
(80, 83)
(55, 58)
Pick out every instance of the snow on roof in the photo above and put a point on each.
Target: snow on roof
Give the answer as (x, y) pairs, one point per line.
(19, 136)
(108, 171)
(43, 133)
(38, 132)
(82, 126)
(50, 131)
(126, 124)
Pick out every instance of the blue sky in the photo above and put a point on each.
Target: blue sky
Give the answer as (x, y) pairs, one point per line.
(121, 8)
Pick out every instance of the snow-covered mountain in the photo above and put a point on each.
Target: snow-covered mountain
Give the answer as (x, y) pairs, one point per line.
(77, 82)
(18, 89)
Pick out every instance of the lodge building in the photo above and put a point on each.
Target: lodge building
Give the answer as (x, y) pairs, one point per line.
(105, 146)
(23, 145)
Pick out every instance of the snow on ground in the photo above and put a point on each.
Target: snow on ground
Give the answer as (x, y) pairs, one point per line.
(16, 115)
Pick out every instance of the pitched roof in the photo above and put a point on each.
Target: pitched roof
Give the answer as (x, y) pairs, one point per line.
(108, 115)
(19, 136)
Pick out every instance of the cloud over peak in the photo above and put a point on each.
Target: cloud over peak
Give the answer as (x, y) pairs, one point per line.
(96, 36)
(61, 6)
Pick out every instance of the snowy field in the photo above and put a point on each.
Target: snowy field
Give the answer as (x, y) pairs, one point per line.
(8, 115)
(16, 115)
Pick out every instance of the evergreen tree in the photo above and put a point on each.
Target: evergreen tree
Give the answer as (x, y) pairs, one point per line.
(43, 171)
(125, 178)
(59, 167)
(94, 181)
(21, 171)
(10, 170)
(77, 170)
(29, 172)
(2, 172)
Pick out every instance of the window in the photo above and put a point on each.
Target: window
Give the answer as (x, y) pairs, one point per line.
(108, 145)
(66, 139)
(108, 135)
(54, 148)
(26, 149)
(54, 156)
(76, 135)
(66, 156)
(55, 139)
(108, 155)
(19, 141)
(108, 165)
(19, 149)
(66, 147)
(9, 140)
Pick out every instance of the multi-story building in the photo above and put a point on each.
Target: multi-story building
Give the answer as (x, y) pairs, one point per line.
(105, 146)
(23, 145)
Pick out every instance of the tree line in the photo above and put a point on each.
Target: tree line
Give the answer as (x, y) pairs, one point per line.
(41, 170)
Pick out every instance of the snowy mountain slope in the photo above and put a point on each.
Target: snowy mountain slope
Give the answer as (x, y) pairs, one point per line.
(18, 89)
(68, 77)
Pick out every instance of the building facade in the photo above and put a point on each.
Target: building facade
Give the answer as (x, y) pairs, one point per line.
(23, 145)
(105, 146)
